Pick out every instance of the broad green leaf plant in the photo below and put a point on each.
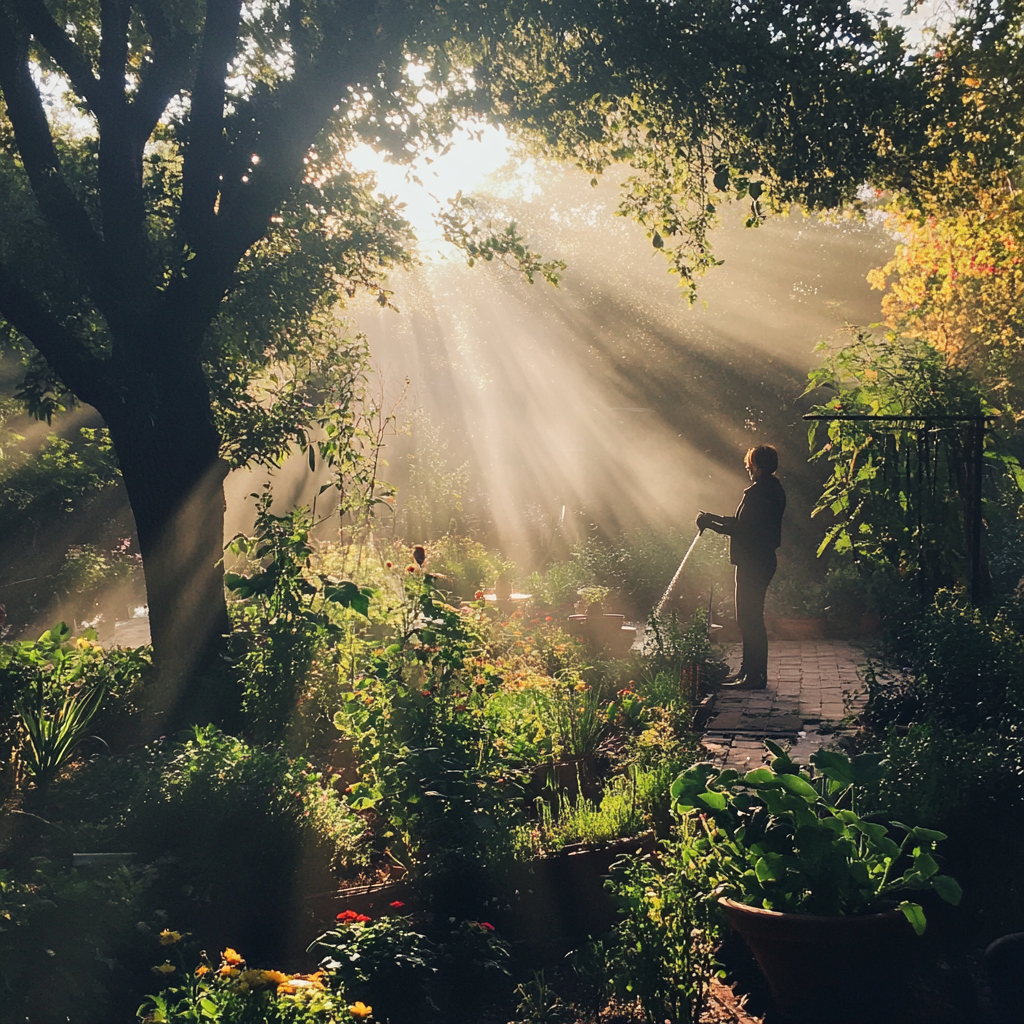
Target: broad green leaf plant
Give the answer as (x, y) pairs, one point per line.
(791, 840)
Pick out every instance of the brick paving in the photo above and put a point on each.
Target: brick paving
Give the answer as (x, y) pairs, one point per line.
(813, 688)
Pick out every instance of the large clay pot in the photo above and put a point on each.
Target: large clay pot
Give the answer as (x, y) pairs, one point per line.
(800, 629)
(870, 621)
(844, 970)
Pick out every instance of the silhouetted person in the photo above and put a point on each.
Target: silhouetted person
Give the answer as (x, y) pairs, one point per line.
(755, 532)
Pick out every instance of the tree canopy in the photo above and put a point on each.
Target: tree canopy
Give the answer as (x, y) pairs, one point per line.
(180, 212)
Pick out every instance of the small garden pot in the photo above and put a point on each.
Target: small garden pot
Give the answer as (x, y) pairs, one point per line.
(844, 970)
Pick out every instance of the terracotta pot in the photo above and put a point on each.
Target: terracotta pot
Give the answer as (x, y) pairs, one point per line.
(870, 623)
(844, 970)
(800, 629)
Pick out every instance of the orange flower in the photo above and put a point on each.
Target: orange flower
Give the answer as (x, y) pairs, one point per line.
(230, 956)
(201, 970)
(360, 1010)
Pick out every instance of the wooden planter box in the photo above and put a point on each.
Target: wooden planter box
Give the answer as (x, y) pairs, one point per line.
(560, 899)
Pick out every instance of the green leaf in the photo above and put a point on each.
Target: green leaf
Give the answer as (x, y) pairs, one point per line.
(760, 777)
(915, 915)
(350, 595)
(763, 871)
(834, 765)
(657, 241)
(716, 801)
(948, 889)
(799, 787)
(928, 834)
(868, 769)
(924, 864)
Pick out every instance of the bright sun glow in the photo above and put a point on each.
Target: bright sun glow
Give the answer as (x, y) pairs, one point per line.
(477, 150)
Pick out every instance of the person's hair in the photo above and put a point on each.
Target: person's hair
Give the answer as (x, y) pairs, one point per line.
(765, 457)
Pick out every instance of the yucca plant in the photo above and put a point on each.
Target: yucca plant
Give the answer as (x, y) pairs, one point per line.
(51, 737)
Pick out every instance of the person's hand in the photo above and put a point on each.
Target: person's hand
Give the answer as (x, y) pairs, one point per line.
(704, 520)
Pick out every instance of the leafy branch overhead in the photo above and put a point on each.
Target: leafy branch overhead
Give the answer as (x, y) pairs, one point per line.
(482, 241)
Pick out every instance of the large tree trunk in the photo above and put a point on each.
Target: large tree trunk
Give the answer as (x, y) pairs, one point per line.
(168, 451)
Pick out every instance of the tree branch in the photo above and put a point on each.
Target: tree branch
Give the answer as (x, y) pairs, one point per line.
(78, 368)
(200, 174)
(57, 202)
(120, 158)
(33, 14)
(167, 73)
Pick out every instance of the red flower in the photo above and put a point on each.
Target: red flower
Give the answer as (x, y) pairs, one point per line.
(410, 568)
(351, 917)
(389, 565)
(397, 904)
(479, 595)
(547, 618)
(483, 924)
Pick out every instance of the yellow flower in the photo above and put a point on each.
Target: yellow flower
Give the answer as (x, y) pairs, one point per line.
(230, 956)
(164, 968)
(169, 938)
(360, 1010)
(260, 979)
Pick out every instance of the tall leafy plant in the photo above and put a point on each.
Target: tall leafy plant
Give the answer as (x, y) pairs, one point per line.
(284, 615)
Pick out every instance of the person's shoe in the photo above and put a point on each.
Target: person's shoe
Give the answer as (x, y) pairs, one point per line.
(747, 683)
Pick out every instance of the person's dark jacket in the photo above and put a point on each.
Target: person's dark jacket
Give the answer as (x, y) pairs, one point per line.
(756, 529)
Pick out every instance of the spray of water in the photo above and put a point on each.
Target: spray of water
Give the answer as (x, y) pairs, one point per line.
(679, 572)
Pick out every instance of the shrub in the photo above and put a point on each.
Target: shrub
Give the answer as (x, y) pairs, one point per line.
(285, 618)
(427, 760)
(661, 952)
(960, 668)
(65, 937)
(237, 829)
(43, 681)
(408, 975)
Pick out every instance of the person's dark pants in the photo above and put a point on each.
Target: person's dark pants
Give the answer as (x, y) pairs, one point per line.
(751, 586)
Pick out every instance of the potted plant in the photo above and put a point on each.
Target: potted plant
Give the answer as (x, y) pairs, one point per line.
(819, 892)
(796, 607)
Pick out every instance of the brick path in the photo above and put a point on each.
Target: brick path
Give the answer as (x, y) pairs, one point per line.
(813, 686)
